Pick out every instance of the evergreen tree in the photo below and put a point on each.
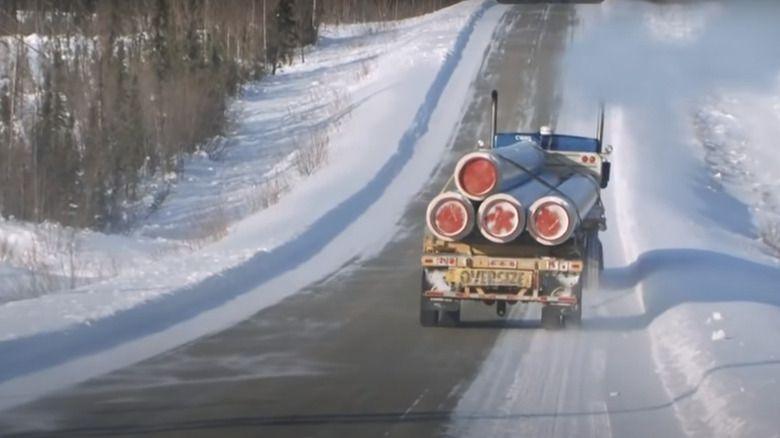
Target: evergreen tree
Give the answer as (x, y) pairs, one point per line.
(5, 110)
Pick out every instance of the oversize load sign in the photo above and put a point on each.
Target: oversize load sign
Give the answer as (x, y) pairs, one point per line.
(491, 277)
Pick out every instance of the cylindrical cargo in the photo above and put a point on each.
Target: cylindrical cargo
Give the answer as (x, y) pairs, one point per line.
(502, 217)
(553, 218)
(480, 174)
(450, 216)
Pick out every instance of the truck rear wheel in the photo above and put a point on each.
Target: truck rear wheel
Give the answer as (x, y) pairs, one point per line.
(449, 318)
(574, 313)
(437, 314)
(427, 316)
(552, 317)
(593, 263)
(431, 317)
(574, 316)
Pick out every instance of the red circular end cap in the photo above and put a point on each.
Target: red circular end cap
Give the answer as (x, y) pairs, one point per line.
(451, 218)
(478, 176)
(548, 221)
(501, 219)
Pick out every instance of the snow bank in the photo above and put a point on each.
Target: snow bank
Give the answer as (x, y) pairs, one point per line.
(694, 178)
(407, 112)
(739, 131)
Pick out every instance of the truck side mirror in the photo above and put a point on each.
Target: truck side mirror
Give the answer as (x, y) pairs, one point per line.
(606, 167)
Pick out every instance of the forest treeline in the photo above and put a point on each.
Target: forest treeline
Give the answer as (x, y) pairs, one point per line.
(96, 95)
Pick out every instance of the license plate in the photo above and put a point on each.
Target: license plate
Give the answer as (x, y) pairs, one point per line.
(493, 277)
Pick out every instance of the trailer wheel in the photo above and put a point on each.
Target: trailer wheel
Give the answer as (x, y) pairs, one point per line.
(593, 263)
(437, 314)
(432, 317)
(574, 315)
(449, 318)
(552, 317)
(427, 316)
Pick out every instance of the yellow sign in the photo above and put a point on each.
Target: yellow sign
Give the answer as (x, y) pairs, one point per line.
(493, 277)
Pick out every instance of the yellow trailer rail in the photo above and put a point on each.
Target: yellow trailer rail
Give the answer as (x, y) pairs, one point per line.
(462, 277)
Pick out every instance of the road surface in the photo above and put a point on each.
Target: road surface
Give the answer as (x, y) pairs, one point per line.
(347, 357)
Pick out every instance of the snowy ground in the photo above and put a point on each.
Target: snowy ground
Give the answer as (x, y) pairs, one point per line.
(681, 338)
(408, 85)
(349, 86)
(679, 341)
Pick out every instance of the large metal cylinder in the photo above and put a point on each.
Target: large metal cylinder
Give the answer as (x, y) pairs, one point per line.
(450, 216)
(480, 174)
(501, 217)
(553, 218)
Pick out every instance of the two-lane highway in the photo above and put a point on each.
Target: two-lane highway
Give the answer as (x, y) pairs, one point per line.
(347, 356)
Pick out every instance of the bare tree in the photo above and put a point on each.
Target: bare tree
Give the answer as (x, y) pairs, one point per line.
(118, 91)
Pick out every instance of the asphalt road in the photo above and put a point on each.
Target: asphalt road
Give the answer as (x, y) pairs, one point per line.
(346, 357)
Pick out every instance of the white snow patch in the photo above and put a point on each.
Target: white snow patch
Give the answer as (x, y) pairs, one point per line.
(718, 335)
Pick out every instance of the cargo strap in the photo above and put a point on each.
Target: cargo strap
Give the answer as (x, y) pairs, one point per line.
(447, 184)
(550, 186)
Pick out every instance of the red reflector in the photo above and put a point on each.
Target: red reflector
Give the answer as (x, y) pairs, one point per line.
(584, 158)
(592, 159)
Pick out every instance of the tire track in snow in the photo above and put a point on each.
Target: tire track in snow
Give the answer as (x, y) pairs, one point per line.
(551, 389)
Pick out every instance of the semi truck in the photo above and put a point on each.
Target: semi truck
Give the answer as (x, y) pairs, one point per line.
(518, 221)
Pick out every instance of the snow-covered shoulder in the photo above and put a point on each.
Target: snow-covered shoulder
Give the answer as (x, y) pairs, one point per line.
(406, 86)
(692, 92)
